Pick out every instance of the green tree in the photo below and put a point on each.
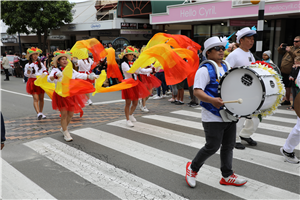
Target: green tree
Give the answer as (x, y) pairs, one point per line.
(35, 17)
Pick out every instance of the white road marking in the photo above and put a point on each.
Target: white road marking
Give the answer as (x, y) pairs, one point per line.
(254, 156)
(177, 164)
(17, 186)
(116, 181)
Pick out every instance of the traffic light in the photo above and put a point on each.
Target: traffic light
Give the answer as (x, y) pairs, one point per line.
(255, 1)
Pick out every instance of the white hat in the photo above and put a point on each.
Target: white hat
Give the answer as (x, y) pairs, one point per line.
(244, 32)
(269, 53)
(24, 54)
(213, 42)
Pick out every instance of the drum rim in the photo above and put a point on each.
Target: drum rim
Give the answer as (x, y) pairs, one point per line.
(261, 82)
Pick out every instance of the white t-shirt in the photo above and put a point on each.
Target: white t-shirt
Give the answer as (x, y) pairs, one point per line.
(239, 58)
(202, 79)
(37, 71)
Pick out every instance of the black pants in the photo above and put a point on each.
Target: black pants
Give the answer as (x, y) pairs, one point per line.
(217, 134)
(6, 73)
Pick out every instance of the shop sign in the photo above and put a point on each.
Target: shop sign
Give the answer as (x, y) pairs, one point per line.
(128, 25)
(9, 40)
(144, 26)
(95, 26)
(58, 37)
(136, 32)
(72, 27)
(234, 22)
(221, 9)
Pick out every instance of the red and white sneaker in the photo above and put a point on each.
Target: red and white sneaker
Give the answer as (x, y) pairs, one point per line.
(190, 176)
(233, 180)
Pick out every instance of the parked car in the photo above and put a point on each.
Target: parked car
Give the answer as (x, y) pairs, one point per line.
(12, 61)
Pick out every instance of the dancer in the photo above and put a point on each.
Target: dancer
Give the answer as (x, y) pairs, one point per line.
(217, 132)
(150, 82)
(131, 95)
(70, 104)
(84, 66)
(33, 68)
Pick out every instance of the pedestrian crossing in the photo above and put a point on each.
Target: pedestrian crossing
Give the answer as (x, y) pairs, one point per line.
(178, 131)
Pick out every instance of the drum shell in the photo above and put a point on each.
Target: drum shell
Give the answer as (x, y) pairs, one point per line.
(260, 93)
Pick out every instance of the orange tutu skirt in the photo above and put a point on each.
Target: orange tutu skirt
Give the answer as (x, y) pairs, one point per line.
(136, 92)
(150, 81)
(33, 89)
(88, 80)
(72, 103)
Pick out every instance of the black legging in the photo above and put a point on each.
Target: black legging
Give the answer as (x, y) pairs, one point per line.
(6, 73)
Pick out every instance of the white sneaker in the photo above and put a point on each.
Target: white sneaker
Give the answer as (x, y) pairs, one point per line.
(67, 136)
(89, 102)
(144, 109)
(39, 116)
(289, 157)
(164, 96)
(157, 97)
(233, 180)
(132, 118)
(44, 116)
(61, 130)
(169, 92)
(129, 123)
(190, 176)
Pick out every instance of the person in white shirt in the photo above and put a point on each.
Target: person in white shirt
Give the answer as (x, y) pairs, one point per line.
(242, 56)
(218, 133)
(84, 66)
(70, 104)
(131, 95)
(293, 139)
(33, 68)
(6, 66)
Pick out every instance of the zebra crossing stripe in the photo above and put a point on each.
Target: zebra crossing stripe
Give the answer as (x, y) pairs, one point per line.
(261, 124)
(176, 164)
(198, 125)
(17, 186)
(114, 180)
(254, 156)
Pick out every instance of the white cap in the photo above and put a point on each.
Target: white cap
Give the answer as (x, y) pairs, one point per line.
(213, 42)
(244, 32)
(269, 53)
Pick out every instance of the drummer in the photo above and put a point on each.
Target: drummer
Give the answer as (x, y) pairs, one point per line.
(217, 132)
(242, 56)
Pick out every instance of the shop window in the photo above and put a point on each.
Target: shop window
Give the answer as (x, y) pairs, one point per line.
(201, 33)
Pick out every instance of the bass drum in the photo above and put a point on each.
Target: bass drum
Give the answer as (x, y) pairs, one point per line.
(257, 88)
(276, 68)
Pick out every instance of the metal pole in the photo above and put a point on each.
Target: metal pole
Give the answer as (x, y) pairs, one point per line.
(20, 46)
(260, 28)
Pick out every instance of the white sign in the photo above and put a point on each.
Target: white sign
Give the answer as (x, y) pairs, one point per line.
(58, 37)
(130, 31)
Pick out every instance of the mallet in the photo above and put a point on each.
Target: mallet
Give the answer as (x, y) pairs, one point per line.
(234, 101)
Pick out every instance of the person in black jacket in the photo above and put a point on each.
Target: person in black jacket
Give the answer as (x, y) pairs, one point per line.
(23, 62)
(2, 132)
(293, 77)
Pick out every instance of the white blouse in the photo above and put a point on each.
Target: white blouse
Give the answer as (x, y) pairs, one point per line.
(37, 71)
(75, 75)
(84, 66)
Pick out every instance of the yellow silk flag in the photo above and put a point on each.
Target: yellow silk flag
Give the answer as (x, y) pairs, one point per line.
(127, 83)
(42, 82)
(62, 87)
(80, 53)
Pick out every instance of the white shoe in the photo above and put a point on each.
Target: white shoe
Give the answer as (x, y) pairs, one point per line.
(67, 136)
(43, 116)
(233, 180)
(129, 123)
(157, 97)
(169, 92)
(190, 175)
(132, 118)
(39, 116)
(289, 157)
(144, 109)
(61, 130)
(89, 102)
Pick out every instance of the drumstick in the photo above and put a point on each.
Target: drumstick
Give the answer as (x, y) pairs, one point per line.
(234, 101)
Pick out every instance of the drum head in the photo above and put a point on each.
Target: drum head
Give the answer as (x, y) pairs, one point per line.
(242, 83)
(297, 104)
